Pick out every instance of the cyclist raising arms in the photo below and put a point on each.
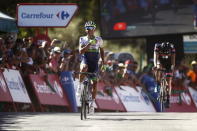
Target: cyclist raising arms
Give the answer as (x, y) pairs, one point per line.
(164, 58)
(91, 48)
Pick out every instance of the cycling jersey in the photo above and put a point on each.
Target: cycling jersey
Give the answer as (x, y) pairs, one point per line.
(91, 56)
(164, 56)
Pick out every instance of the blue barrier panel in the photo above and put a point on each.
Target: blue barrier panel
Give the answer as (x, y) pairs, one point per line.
(152, 90)
(66, 80)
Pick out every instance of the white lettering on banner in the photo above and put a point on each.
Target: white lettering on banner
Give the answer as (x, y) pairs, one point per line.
(174, 99)
(58, 89)
(193, 93)
(22, 85)
(3, 84)
(43, 88)
(130, 97)
(66, 80)
(186, 98)
(16, 86)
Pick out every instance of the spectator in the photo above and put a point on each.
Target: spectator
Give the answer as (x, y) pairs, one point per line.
(192, 74)
(54, 44)
(54, 60)
(66, 60)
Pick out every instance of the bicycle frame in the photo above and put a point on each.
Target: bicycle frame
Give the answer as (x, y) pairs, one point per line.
(86, 95)
(163, 90)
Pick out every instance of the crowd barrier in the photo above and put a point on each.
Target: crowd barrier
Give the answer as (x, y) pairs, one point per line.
(68, 86)
(48, 90)
(107, 98)
(135, 99)
(52, 90)
(181, 101)
(5, 95)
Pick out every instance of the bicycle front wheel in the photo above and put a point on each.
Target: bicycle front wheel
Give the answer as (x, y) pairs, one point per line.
(83, 105)
(162, 95)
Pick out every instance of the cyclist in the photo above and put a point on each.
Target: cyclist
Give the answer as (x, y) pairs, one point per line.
(164, 58)
(91, 49)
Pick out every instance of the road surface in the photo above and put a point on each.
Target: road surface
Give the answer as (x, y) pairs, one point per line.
(135, 121)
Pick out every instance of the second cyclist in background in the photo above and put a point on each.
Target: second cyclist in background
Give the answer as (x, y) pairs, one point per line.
(91, 48)
(164, 58)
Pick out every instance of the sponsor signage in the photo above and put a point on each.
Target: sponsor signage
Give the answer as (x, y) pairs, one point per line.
(45, 15)
(48, 93)
(107, 98)
(4, 92)
(16, 86)
(134, 100)
(181, 102)
(67, 82)
(190, 43)
(193, 93)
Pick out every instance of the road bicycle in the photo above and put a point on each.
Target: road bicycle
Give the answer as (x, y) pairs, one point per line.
(86, 94)
(163, 89)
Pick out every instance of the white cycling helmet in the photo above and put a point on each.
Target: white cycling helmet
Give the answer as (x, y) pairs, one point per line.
(90, 24)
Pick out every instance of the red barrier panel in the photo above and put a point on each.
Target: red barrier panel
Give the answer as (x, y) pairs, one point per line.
(108, 101)
(4, 92)
(48, 93)
(181, 101)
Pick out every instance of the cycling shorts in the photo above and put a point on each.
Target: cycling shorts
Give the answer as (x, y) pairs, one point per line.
(91, 60)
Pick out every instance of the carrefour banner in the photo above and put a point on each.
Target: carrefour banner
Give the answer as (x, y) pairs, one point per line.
(16, 86)
(134, 100)
(45, 15)
(107, 98)
(67, 82)
(4, 91)
(48, 90)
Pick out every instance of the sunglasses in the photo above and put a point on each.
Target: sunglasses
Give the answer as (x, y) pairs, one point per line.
(90, 28)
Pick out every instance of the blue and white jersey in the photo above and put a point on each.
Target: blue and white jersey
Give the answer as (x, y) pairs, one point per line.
(94, 47)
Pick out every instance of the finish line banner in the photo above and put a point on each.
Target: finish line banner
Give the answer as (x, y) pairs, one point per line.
(16, 86)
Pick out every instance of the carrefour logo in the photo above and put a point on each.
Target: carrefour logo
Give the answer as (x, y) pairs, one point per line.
(40, 15)
(62, 15)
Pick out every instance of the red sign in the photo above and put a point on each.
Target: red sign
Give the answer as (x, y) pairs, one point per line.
(181, 102)
(4, 92)
(40, 38)
(120, 26)
(107, 98)
(48, 90)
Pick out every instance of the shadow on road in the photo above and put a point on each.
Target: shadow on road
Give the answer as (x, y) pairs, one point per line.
(124, 119)
(9, 120)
